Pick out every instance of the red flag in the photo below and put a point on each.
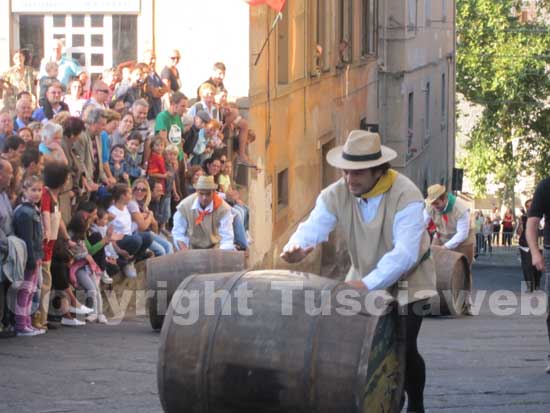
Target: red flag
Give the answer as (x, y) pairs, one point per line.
(276, 5)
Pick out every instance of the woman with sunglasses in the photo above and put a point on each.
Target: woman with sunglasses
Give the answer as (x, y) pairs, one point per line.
(143, 219)
(170, 75)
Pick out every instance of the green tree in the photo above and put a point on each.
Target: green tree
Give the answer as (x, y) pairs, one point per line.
(502, 64)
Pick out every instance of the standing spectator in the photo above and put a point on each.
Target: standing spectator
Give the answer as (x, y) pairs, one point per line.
(157, 166)
(23, 114)
(168, 124)
(488, 234)
(216, 78)
(207, 93)
(154, 87)
(68, 67)
(53, 104)
(478, 223)
(32, 161)
(507, 227)
(531, 274)
(27, 226)
(6, 126)
(112, 119)
(52, 70)
(6, 229)
(74, 99)
(144, 128)
(55, 176)
(170, 75)
(540, 208)
(125, 126)
(496, 227)
(173, 167)
(21, 78)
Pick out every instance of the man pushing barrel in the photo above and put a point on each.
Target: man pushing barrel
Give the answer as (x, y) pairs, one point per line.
(451, 217)
(381, 214)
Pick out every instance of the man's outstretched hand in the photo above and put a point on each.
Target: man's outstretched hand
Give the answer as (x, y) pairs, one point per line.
(296, 254)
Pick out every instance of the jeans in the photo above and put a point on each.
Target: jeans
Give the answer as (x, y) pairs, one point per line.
(89, 282)
(239, 233)
(24, 299)
(165, 209)
(135, 245)
(160, 246)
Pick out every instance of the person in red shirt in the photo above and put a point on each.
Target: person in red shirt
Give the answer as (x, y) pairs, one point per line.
(156, 168)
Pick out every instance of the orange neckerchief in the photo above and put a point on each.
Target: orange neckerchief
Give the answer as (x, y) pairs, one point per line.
(217, 201)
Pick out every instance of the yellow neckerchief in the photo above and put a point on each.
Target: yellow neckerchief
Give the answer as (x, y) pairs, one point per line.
(383, 185)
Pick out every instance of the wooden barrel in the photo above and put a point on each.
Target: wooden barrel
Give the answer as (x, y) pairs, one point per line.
(453, 281)
(165, 273)
(262, 359)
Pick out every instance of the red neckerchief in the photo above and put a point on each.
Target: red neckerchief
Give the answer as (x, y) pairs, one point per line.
(217, 201)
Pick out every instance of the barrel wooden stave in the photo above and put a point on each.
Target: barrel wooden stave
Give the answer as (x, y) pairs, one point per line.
(174, 268)
(272, 363)
(452, 280)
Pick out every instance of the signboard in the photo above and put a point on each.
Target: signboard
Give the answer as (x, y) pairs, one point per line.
(75, 6)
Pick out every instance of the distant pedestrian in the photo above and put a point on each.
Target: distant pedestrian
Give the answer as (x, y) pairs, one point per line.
(496, 227)
(507, 227)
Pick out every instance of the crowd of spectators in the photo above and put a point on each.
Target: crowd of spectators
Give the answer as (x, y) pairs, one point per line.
(92, 174)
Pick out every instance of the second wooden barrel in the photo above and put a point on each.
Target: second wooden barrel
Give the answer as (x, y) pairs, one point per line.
(165, 273)
(276, 354)
(453, 281)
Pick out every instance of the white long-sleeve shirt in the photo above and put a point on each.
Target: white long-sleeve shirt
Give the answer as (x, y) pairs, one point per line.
(462, 229)
(225, 230)
(408, 230)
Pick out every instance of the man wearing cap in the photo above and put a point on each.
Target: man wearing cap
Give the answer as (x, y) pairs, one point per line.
(380, 213)
(203, 220)
(451, 217)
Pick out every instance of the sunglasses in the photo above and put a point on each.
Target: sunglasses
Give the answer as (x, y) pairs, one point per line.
(103, 90)
(175, 58)
(140, 189)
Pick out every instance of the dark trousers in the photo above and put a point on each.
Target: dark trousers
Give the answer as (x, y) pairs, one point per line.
(415, 368)
(507, 234)
(135, 245)
(3, 310)
(530, 274)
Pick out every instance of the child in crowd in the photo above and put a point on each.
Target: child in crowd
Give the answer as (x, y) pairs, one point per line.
(171, 189)
(101, 231)
(27, 226)
(132, 159)
(84, 271)
(192, 135)
(205, 144)
(225, 176)
(156, 168)
(52, 70)
(25, 133)
(118, 165)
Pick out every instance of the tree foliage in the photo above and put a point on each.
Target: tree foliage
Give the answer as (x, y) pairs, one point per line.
(503, 64)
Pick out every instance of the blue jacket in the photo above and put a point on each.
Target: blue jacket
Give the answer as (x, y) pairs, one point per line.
(28, 226)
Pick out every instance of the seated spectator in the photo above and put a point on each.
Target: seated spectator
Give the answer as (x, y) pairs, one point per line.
(191, 177)
(204, 148)
(99, 96)
(52, 105)
(52, 134)
(101, 234)
(203, 220)
(133, 245)
(6, 126)
(13, 149)
(216, 78)
(132, 157)
(144, 128)
(191, 137)
(52, 70)
(118, 165)
(32, 161)
(23, 114)
(144, 220)
(224, 179)
(206, 102)
(74, 99)
(36, 128)
(124, 128)
(27, 136)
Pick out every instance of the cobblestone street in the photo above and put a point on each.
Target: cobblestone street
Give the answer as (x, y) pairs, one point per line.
(484, 364)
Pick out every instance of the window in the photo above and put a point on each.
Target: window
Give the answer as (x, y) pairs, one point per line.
(410, 122)
(345, 28)
(443, 98)
(282, 189)
(321, 48)
(443, 10)
(412, 15)
(369, 27)
(427, 116)
(428, 12)
(124, 39)
(283, 48)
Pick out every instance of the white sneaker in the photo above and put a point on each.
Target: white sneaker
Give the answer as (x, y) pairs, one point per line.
(130, 270)
(105, 279)
(40, 330)
(82, 310)
(27, 332)
(102, 319)
(91, 318)
(72, 322)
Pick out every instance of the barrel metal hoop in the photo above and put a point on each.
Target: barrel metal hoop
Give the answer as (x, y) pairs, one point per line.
(212, 329)
(311, 348)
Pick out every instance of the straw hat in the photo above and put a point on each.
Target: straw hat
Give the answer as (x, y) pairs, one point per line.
(205, 183)
(362, 150)
(434, 192)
